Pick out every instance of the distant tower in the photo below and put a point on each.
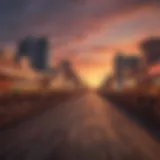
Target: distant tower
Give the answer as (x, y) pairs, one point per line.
(36, 50)
(26, 48)
(151, 50)
(40, 57)
(69, 73)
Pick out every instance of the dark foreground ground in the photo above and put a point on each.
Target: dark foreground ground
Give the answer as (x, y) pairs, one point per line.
(16, 107)
(83, 128)
(142, 107)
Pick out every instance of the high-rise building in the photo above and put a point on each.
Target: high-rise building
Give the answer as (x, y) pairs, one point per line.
(151, 50)
(26, 48)
(36, 50)
(40, 57)
(126, 67)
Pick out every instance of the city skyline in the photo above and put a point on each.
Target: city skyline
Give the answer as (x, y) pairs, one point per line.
(88, 34)
(36, 50)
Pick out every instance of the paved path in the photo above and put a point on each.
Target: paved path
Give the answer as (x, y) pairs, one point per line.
(86, 128)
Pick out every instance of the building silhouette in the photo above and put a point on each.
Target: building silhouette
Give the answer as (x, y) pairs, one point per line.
(125, 67)
(65, 77)
(68, 72)
(151, 50)
(25, 48)
(36, 50)
(40, 57)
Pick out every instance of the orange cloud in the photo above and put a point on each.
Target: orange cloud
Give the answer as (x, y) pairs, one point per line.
(94, 26)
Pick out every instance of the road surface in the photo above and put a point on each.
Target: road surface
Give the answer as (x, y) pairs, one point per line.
(86, 128)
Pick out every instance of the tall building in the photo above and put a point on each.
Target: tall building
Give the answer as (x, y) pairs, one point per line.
(36, 50)
(40, 57)
(26, 48)
(151, 50)
(126, 67)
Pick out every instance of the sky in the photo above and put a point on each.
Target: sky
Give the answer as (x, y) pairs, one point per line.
(87, 32)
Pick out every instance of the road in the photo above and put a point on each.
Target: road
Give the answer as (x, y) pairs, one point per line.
(86, 128)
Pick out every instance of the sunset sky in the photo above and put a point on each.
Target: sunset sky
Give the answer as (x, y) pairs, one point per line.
(88, 32)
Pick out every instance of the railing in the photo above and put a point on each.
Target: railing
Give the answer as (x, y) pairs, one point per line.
(143, 105)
